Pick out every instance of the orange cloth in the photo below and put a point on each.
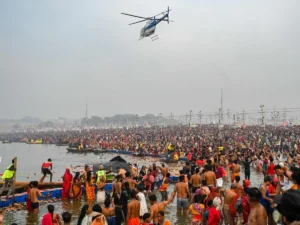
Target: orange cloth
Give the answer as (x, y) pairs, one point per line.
(234, 175)
(167, 222)
(90, 191)
(195, 212)
(99, 221)
(134, 221)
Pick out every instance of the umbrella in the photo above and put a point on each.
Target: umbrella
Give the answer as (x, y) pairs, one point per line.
(117, 161)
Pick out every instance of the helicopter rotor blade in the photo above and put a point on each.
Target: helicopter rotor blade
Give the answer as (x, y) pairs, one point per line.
(162, 13)
(138, 22)
(126, 14)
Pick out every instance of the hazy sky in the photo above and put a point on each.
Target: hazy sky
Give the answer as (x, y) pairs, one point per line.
(53, 54)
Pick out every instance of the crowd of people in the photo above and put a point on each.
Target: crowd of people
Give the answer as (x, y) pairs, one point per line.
(215, 159)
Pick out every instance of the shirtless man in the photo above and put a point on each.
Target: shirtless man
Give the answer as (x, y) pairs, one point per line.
(130, 181)
(195, 180)
(133, 171)
(158, 206)
(117, 186)
(210, 176)
(121, 172)
(235, 170)
(164, 170)
(33, 196)
(183, 194)
(229, 197)
(258, 215)
(133, 210)
(108, 211)
(239, 187)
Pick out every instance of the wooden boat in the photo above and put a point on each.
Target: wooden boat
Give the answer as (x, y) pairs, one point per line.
(138, 154)
(81, 151)
(34, 142)
(22, 186)
(100, 151)
(62, 144)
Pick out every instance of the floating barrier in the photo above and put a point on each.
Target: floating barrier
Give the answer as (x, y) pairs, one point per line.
(55, 194)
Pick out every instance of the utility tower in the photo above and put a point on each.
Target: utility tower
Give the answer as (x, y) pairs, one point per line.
(262, 115)
(200, 117)
(228, 115)
(172, 118)
(243, 116)
(190, 118)
(284, 114)
(221, 111)
(186, 118)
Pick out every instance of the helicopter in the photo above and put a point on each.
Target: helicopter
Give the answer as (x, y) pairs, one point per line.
(149, 28)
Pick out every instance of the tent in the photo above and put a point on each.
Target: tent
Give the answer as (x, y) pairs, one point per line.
(117, 161)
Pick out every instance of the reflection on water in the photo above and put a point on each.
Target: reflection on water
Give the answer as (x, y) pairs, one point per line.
(30, 158)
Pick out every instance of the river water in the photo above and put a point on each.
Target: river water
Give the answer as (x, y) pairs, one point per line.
(30, 158)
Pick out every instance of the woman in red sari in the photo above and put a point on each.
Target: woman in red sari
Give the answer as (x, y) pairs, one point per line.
(67, 183)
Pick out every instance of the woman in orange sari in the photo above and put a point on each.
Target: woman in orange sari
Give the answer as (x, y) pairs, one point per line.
(67, 183)
(197, 209)
(89, 187)
(76, 187)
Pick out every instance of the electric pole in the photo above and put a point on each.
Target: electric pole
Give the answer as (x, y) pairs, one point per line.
(243, 116)
(221, 111)
(262, 115)
(171, 117)
(284, 114)
(159, 117)
(200, 117)
(190, 119)
(228, 115)
(186, 118)
(219, 114)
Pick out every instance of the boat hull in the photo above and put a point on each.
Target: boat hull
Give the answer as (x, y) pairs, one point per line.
(74, 150)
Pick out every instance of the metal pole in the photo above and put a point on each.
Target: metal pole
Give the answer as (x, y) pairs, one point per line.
(190, 120)
(14, 183)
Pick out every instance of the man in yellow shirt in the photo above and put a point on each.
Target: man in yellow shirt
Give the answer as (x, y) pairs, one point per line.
(8, 178)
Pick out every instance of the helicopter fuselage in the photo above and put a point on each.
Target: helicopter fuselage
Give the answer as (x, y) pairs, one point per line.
(148, 29)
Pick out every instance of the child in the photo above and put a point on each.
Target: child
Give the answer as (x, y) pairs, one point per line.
(146, 219)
